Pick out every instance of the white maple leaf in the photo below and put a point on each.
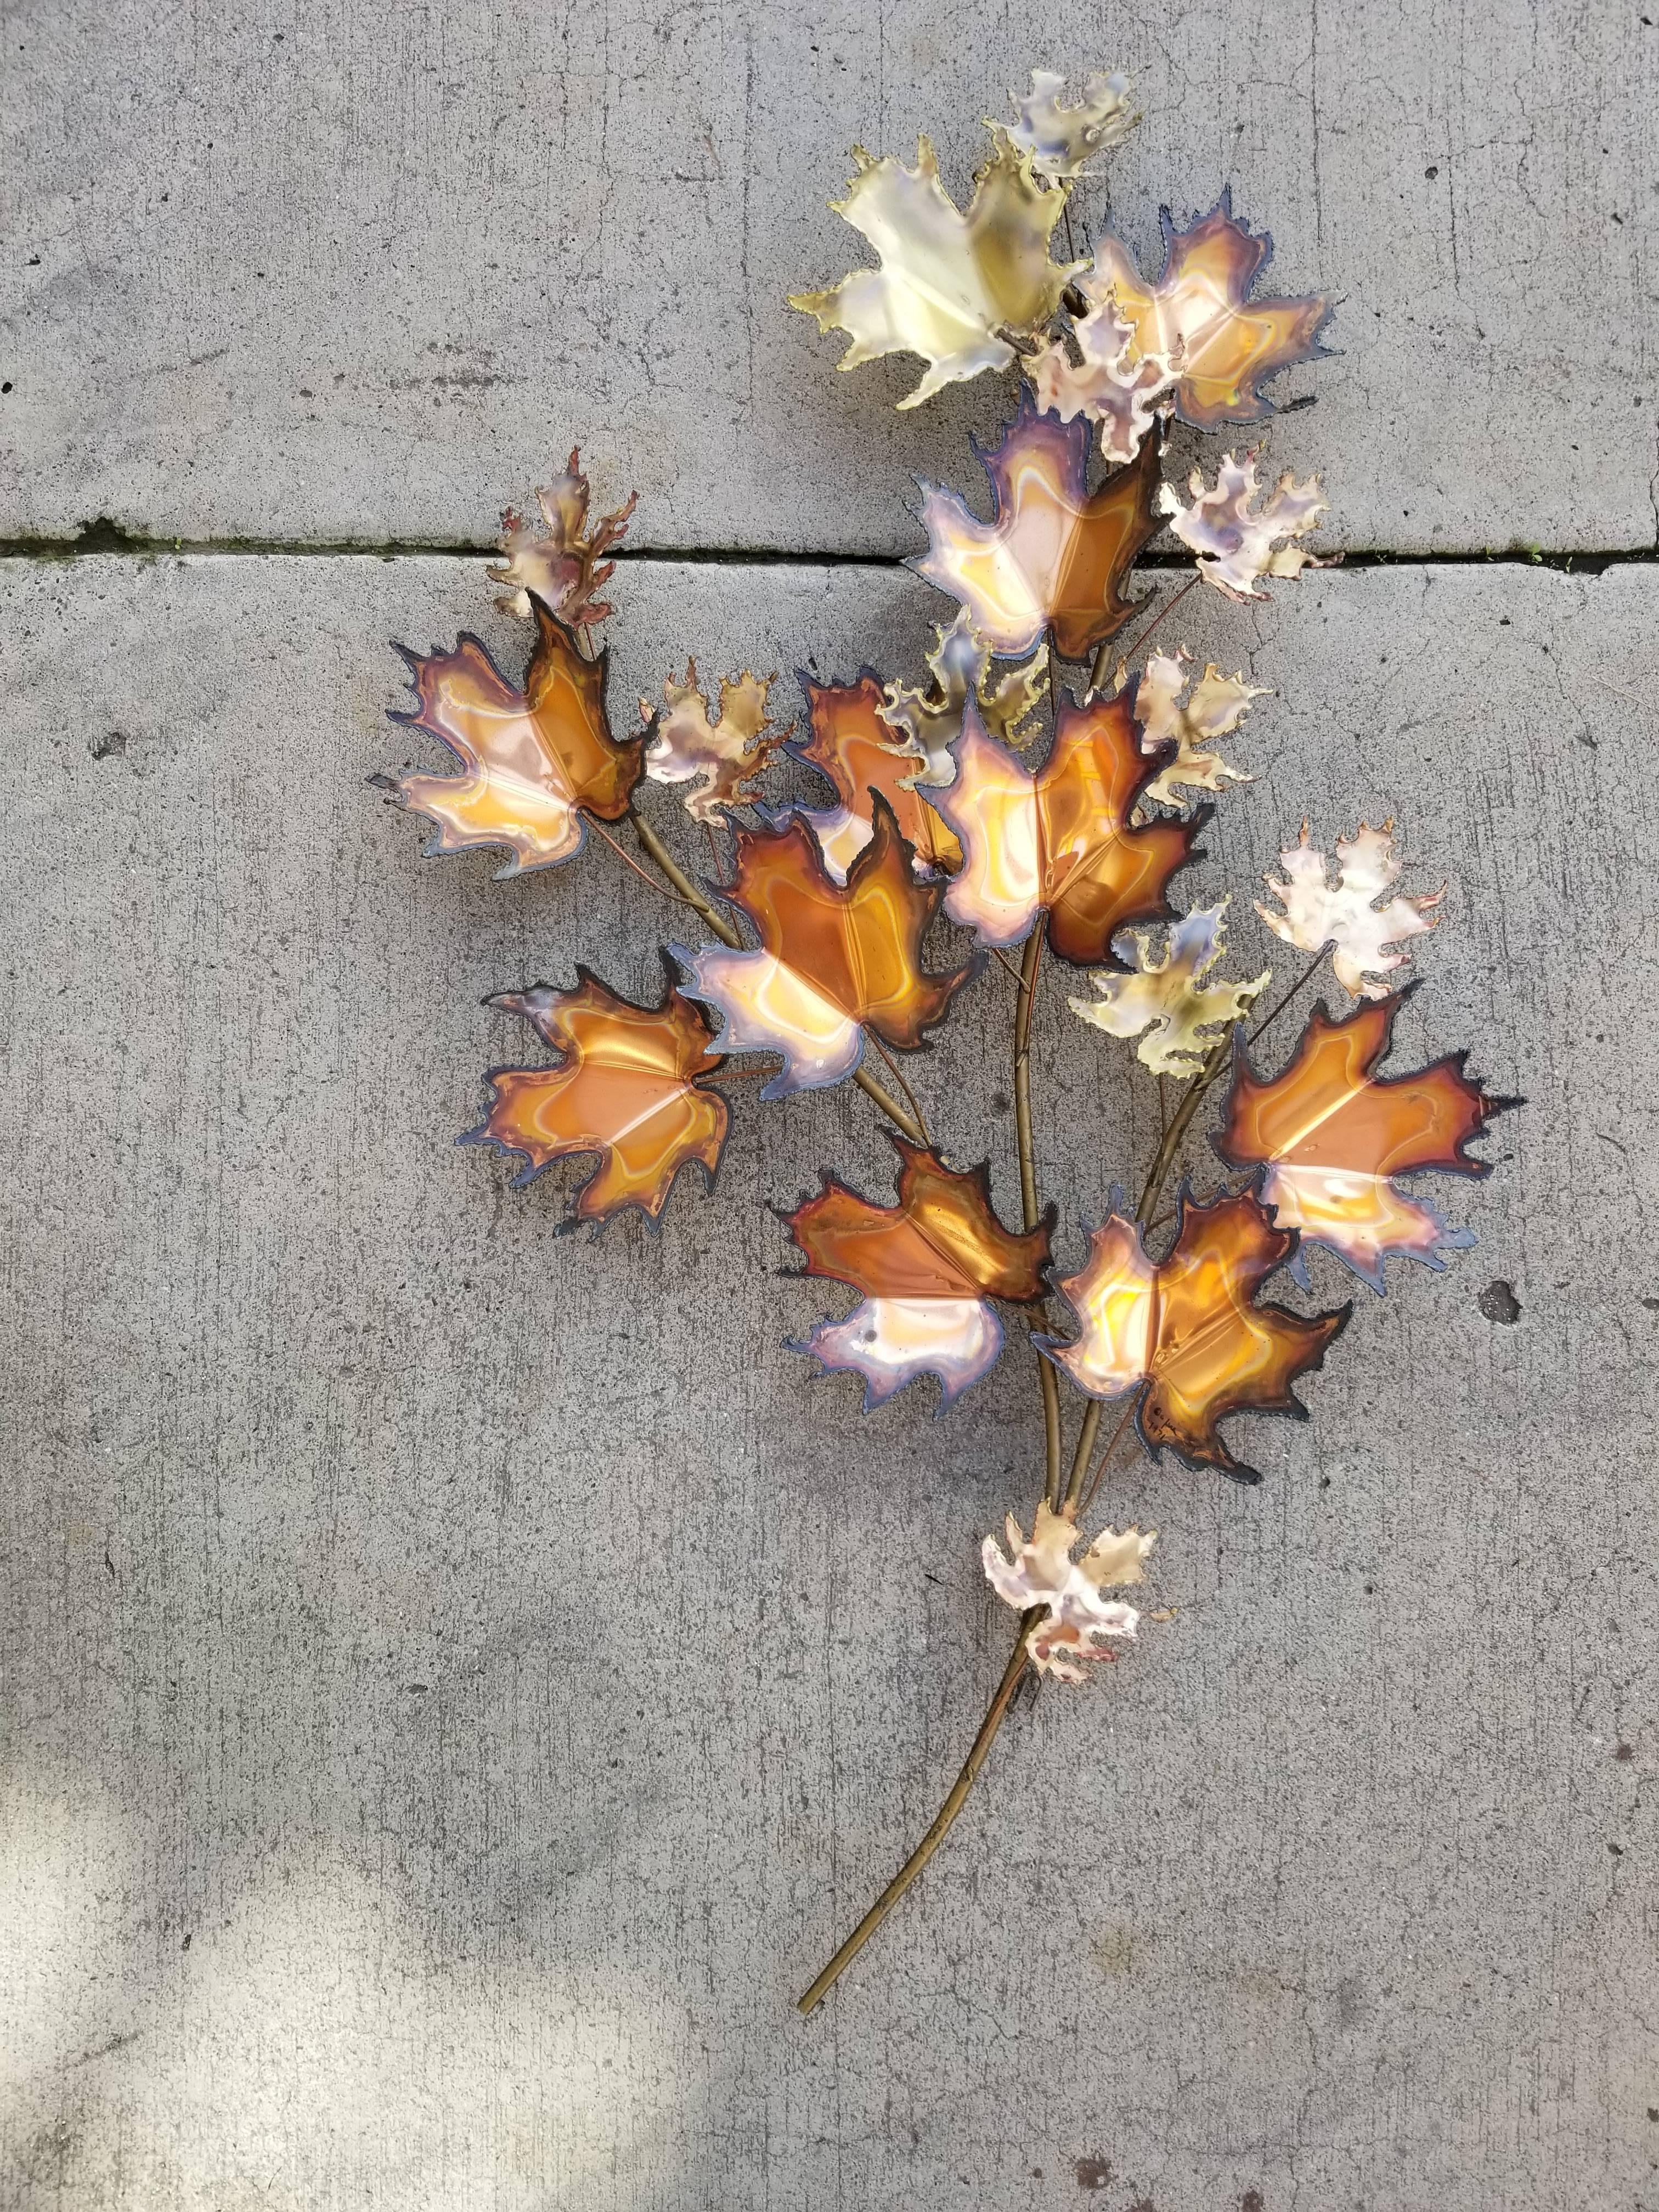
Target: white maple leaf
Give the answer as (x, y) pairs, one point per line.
(1235, 542)
(1041, 1571)
(1344, 912)
(1062, 137)
(1116, 385)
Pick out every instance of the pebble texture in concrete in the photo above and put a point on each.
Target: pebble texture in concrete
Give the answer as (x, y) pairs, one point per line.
(334, 271)
(459, 1682)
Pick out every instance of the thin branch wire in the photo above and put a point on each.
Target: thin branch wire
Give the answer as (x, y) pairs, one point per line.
(644, 875)
(1306, 974)
(1047, 1380)
(1088, 1496)
(899, 1077)
(1003, 961)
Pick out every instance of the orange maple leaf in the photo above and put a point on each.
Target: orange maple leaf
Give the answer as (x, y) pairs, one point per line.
(1330, 1134)
(1062, 838)
(533, 761)
(1199, 315)
(925, 1269)
(627, 1088)
(853, 743)
(1054, 555)
(1186, 1332)
(833, 957)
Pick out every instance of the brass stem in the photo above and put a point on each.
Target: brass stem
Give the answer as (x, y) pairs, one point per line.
(1047, 1380)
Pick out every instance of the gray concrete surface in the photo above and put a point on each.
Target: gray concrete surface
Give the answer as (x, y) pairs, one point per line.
(333, 271)
(459, 1683)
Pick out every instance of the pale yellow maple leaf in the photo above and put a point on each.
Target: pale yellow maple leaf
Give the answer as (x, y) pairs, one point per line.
(1343, 912)
(719, 757)
(1116, 384)
(949, 286)
(1238, 542)
(1169, 1000)
(1213, 708)
(1062, 137)
(1041, 1571)
(960, 665)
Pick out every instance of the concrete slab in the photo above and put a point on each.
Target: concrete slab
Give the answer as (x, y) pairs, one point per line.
(325, 273)
(460, 1683)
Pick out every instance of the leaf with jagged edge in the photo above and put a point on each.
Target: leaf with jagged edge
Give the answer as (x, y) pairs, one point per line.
(1237, 542)
(1189, 1333)
(925, 1270)
(1063, 137)
(1343, 912)
(960, 667)
(1330, 1136)
(532, 761)
(1060, 839)
(1054, 555)
(1200, 314)
(721, 759)
(833, 959)
(1213, 708)
(1116, 385)
(558, 563)
(853, 740)
(949, 285)
(1039, 1570)
(1167, 998)
(626, 1088)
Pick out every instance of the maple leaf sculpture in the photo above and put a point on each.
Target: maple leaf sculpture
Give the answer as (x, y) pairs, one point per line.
(1039, 1570)
(926, 1270)
(1054, 556)
(950, 285)
(1169, 1000)
(1063, 137)
(1213, 708)
(1330, 1136)
(1199, 315)
(833, 959)
(556, 563)
(960, 668)
(1188, 1332)
(719, 759)
(1060, 839)
(851, 739)
(1344, 914)
(532, 761)
(628, 1088)
(1116, 385)
(1238, 542)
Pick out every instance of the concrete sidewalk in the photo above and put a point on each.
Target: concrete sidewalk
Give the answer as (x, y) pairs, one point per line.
(460, 1682)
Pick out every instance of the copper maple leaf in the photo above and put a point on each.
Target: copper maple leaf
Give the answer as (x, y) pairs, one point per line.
(1186, 1332)
(1213, 708)
(1200, 316)
(950, 285)
(1169, 1000)
(1116, 384)
(1063, 137)
(959, 667)
(626, 1089)
(532, 761)
(833, 958)
(719, 759)
(1330, 1134)
(1054, 556)
(1237, 542)
(1041, 1571)
(925, 1269)
(556, 563)
(1061, 838)
(1344, 914)
(852, 742)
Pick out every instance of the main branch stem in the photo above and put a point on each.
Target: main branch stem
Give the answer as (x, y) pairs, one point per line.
(943, 1819)
(1047, 1380)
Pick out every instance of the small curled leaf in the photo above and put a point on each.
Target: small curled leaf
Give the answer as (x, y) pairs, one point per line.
(557, 563)
(1213, 708)
(1039, 1570)
(1237, 542)
(1167, 998)
(719, 759)
(1063, 137)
